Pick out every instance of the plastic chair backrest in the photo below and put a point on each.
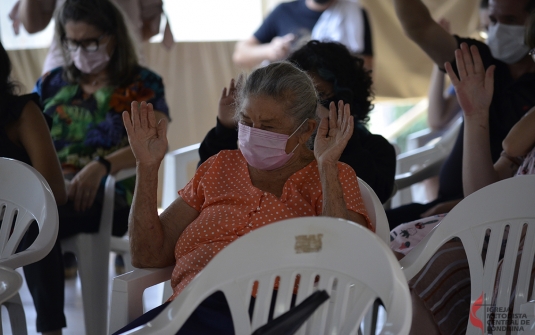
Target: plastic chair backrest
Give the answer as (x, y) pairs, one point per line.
(376, 211)
(350, 262)
(25, 197)
(10, 283)
(176, 171)
(508, 203)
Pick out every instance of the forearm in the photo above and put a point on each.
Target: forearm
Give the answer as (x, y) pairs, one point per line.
(420, 27)
(121, 159)
(35, 15)
(249, 55)
(521, 138)
(436, 99)
(334, 204)
(478, 168)
(147, 238)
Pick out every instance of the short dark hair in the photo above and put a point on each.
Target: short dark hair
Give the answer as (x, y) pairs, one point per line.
(334, 63)
(106, 17)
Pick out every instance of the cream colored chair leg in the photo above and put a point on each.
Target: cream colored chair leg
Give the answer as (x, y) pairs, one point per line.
(17, 317)
(93, 265)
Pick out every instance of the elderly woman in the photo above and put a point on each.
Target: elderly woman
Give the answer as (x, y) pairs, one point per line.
(337, 75)
(272, 177)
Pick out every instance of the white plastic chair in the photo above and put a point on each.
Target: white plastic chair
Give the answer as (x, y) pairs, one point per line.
(353, 264)
(25, 197)
(510, 203)
(92, 254)
(419, 164)
(10, 283)
(175, 173)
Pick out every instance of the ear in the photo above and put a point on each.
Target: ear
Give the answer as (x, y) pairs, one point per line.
(310, 125)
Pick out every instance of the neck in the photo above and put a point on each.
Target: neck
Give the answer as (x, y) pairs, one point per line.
(95, 78)
(525, 65)
(312, 5)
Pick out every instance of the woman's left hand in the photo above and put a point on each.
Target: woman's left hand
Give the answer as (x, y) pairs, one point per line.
(85, 184)
(333, 134)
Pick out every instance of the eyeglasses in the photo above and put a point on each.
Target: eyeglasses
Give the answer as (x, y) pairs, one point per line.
(90, 44)
(532, 54)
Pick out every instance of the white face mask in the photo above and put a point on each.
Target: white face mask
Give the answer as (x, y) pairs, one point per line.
(506, 42)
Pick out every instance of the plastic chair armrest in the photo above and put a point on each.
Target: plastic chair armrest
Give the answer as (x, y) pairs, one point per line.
(407, 179)
(127, 294)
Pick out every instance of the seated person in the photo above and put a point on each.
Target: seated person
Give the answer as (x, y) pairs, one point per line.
(441, 292)
(85, 99)
(513, 91)
(292, 23)
(337, 75)
(25, 136)
(237, 191)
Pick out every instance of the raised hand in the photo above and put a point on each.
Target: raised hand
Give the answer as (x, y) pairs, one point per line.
(474, 86)
(280, 47)
(227, 107)
(147, 139)
(333, 134)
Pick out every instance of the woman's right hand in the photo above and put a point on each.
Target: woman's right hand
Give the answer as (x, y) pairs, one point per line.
(474, 86)
(227, 107)
(147, 139)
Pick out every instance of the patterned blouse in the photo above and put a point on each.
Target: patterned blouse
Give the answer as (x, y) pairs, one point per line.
(86, 126)
(230, 207)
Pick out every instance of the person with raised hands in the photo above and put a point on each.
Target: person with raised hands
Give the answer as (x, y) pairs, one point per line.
(506, 49)
(447, 274)
(272, 177)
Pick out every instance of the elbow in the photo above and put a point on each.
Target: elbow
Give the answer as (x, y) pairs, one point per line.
(513, 149)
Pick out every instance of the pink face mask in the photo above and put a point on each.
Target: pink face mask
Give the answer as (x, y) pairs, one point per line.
(90, 62)
(262, 149)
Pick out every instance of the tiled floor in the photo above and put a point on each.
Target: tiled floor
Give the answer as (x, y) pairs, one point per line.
(73, 305)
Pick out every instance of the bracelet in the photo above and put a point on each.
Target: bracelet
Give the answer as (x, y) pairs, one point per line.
(104, 162)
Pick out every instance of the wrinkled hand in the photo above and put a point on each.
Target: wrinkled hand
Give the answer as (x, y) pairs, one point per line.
(84, 186)
(333, 134)
(474, 86)
(280, 47)
(441, 208)
(227, 107)
(148, 140)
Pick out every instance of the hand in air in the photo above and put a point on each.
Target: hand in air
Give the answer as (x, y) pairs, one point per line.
(474, 86)
(333, 134)
(227, 107)
(147, 139)
(280, 47)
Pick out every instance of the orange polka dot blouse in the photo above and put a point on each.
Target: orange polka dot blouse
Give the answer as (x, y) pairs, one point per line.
(230, 207)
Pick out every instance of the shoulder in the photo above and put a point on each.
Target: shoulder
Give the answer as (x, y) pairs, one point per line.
(224, 160)
(285, 6)
(49, 83)
(148, 75)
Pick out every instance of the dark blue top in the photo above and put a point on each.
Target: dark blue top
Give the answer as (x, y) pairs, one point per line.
(296, 18)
